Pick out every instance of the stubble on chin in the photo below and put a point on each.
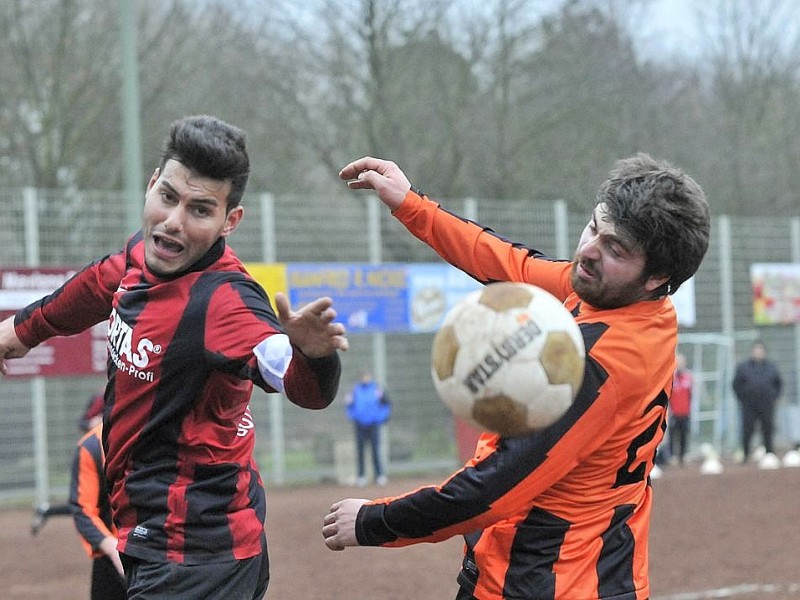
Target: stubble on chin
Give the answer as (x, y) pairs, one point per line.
(580, 287)
(591, 291)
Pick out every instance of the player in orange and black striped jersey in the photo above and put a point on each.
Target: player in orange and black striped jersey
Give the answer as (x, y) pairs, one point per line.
(91, 511)
(562, 513)
(189, 334)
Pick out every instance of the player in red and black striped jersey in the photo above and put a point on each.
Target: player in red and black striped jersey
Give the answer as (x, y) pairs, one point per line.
(189, 333)
(564, 512)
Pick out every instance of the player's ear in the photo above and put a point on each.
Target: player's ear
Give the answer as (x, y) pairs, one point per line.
(153, 178)
(654, 282)
(232, 220)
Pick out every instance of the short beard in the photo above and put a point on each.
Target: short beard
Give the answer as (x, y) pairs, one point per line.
(596, 295)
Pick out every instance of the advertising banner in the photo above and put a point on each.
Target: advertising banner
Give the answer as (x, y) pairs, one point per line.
(776, 293)
(433, 290)
(367, 298)
(81, 354)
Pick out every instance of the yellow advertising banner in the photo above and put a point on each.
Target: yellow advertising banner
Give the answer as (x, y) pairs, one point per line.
(272, 277)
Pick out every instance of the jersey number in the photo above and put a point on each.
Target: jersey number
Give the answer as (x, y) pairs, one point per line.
(631, 471)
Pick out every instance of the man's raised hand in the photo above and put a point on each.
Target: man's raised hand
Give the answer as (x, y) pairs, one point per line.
(311, 328)
(383, 176)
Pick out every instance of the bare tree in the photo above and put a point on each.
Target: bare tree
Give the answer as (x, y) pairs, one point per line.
(61, 64)
(55, 91)
(500, 98)
(371, 77)
(563, 91)
(753, 54)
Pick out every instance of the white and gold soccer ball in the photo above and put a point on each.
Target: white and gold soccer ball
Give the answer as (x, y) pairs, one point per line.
(508, 358)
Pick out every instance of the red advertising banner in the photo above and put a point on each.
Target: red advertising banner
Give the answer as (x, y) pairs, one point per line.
(81, 354)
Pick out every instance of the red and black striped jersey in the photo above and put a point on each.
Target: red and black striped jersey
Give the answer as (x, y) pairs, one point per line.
(183, 354)
(564, 512)
(88, 493)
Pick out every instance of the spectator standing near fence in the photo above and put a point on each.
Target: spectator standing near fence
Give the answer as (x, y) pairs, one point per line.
(757, 384)
(680, 410)
(369, 408)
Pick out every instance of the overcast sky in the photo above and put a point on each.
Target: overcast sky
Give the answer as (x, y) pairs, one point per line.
(668, 27)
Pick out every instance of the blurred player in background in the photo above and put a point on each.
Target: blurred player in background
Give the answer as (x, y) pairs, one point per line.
(91, 511)
(189, 333)
(43, 512)
(680, 410)
(563, 512)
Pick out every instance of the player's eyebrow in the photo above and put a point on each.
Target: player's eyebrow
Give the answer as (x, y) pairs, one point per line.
(618, 236)
(210, 200)
(169, 187)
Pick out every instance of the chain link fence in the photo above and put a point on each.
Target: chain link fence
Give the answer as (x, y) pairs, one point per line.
(72, 228)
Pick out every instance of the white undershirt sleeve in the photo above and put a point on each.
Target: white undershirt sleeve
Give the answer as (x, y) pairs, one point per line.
(274, 355)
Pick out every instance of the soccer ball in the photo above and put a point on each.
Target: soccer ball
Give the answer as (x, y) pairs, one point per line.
(508, 358)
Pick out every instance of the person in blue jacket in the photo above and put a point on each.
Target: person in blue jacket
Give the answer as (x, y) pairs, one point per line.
(368, 407)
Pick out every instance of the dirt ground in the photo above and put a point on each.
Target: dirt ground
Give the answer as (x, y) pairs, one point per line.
(732, 535)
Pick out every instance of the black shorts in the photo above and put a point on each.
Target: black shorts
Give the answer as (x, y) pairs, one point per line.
(244, 579)
(106, 581)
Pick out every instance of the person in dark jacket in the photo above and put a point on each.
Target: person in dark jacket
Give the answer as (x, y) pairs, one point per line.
(368, 407)
(757, 384)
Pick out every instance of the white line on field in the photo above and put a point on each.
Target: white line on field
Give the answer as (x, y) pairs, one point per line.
(737, 590)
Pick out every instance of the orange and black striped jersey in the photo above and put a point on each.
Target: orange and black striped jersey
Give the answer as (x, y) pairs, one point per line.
(89, 493)
(562, 513)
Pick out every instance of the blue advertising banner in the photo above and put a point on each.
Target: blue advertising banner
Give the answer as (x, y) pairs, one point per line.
(389, 298)
(367, 298)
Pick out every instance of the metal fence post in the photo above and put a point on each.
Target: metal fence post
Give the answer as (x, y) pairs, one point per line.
(376, 258)
(31, 224)
(794, 226)
(379, 358)
(276, 432)
(728, 326)
(471, 209)
(268, 245)
(38, 400)
(561, 217)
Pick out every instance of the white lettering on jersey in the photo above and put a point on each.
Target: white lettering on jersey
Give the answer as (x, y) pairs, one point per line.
(129, 359)
(246, 424)
(274, 355)
(141, 532)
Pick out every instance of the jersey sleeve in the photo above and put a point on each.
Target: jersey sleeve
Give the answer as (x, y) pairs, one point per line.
(85, 490)
(479, 251)
(505, 478)
(83, 301)
(245, 337)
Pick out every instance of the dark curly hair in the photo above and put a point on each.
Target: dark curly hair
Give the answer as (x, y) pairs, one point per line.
(664, 211)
